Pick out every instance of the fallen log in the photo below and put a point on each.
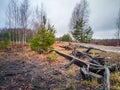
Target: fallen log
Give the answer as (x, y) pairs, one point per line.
(107, 78)
(93, 68)
(80, 62)
(87, 75)
(67, 66)
(95, 60)
(77, 53)
(95, 75)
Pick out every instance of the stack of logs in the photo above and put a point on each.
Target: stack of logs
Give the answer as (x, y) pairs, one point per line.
(93, 67)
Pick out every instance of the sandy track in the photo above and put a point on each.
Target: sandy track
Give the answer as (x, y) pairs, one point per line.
(102, 47)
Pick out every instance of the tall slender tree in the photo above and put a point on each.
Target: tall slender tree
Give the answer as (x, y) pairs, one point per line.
(24, 12)
(15, 17)
(79, 26)
(39, 13)
(9, 19)
(118, 28)
(12, 15)
(17, 20)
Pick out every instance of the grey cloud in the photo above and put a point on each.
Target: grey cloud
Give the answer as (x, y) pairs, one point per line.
(103, 14)
(3, 5)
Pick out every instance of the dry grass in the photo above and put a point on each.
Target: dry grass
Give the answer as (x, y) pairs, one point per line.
(70, 74)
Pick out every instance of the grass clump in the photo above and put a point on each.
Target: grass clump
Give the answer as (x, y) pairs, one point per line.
(71, 73)
(52, 57)
(5, 44)
(115, 80)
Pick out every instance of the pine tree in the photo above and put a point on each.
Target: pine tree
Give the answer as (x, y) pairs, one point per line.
(80, 29)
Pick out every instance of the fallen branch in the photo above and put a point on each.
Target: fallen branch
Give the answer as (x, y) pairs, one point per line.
(78, 61)
(93, 68)
(77, 53)
(95, 60)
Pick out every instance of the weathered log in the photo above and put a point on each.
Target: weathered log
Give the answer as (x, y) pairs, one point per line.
(95, 60)
(95, 75)
(93, 68)
(68, 65)
(78, 61)
(107, 78)
(85, 74)
(88, 75)
(79, 54)
(100, 60)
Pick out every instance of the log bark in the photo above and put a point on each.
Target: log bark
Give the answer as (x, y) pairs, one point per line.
(77, 53)
(85, 74)
(78, 61)
(95, 60)
(68, 65)
(93, 68)
(88, 74)
(107, 78)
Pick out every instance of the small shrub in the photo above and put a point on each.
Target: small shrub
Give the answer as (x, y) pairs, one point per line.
(52, 57)
(4, 44)
(115, 80)
(66, 37)
(44, 39)
(71, 73)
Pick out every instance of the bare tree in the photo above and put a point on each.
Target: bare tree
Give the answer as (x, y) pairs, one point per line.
(16, 19)
(12, 15)
(80, 12)
(79, 22)
(118, 28)
(9, 19)
(39, 14)
(24, 12)
(13, 20)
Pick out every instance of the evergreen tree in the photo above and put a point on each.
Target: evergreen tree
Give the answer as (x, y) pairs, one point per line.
(66, 37)
(80, 29)
(44, 39)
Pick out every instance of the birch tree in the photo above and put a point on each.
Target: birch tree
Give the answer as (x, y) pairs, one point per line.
(12, 16)
(24, 12)
(118, 28)
(9, 19)
(39, 13)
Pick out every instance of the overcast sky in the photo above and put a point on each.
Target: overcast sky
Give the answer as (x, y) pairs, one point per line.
(102, 18)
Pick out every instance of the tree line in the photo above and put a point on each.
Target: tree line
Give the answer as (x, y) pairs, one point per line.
(18, 14)
(22, 22)
(20, 18)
